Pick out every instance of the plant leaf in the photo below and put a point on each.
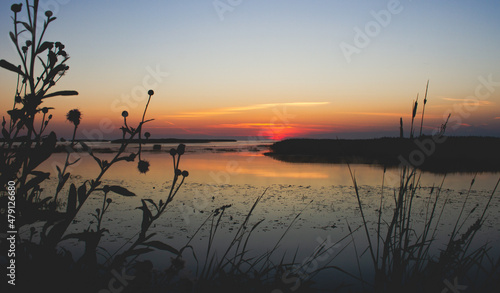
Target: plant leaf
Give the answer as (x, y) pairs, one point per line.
(27, 26)
(13, 37)
(136, 252)
(71, 207)
(82, 194)
(61, 93)
(162, 246)
(152, 202)
(44, 47)
(5, 133)
(54, 71)
(9, 66)
(121, 190)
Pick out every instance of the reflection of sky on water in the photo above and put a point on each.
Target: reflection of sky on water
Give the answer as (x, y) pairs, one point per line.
(244, 163)
(219, 177)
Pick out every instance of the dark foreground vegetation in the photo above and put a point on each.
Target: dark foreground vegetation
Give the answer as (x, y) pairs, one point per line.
(399, 249)
(442, 155)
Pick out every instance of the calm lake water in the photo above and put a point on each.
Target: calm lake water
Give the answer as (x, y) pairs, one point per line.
(236, 173)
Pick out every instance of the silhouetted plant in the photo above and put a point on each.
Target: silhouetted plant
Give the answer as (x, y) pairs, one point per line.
(423, 109)
(413, 114)
(25, 146)
(400, 250)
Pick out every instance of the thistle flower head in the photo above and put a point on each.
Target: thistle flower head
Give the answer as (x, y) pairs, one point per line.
(74, 116)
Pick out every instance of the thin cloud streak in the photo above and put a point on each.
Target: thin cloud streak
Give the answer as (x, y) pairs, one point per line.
(233, 110)
(470, 102)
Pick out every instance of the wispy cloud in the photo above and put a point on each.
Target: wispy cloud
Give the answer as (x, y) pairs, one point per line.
(376, 114)
(497, 118)
(233, 110)
(469, 102)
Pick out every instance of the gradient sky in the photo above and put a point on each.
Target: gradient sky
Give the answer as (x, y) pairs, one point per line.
(272, 68)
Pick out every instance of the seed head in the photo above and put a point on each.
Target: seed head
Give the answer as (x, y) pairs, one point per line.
(151, 92)
(143, 166)
(48, 13)
(74, 116)
(181, 148)
(124, 114)
(16, 7)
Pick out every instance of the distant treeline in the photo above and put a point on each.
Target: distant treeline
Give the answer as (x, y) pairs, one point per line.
(174, 140)
(436, 154)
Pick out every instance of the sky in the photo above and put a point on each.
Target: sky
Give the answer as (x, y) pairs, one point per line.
(272, 69)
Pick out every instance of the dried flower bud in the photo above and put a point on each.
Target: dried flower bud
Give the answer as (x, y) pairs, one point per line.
(109, 200)
(151, 92)
(48, 13)
(181, 148)
(28, 43)
(147, 135)
(25, 49)
(178, 172)
(173, 152)
(124, 114)
(16, 7)
(18, 99)
(45, 110)
(185, 173)
(50, 116)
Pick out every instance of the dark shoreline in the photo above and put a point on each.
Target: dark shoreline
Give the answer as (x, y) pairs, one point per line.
(438, 155)
(172, 140)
